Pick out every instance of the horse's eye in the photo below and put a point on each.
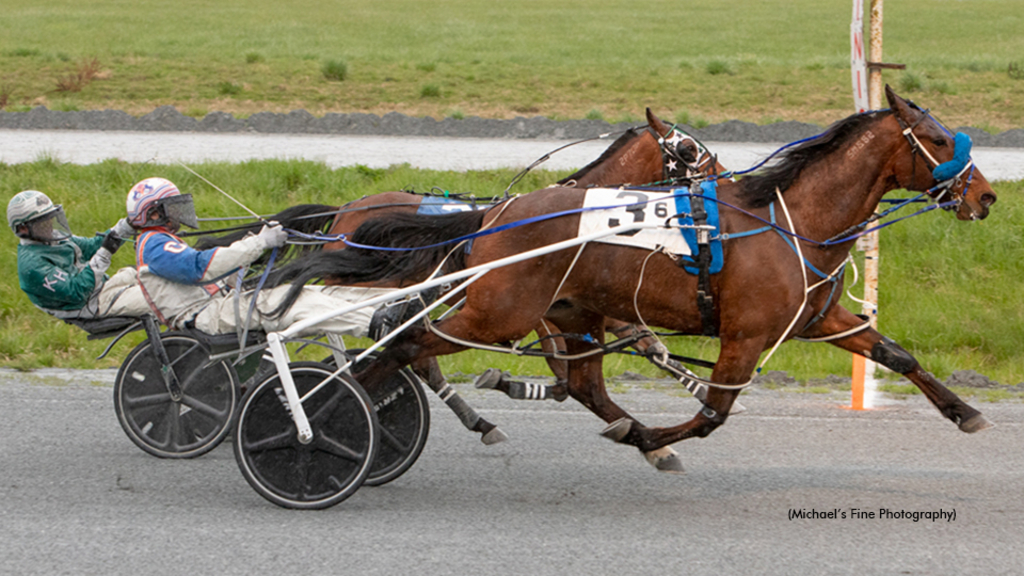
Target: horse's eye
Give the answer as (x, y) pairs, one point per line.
(939, 141)
(686, 153)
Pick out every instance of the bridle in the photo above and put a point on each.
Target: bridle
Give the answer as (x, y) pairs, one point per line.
(948, 175)
(674, 164)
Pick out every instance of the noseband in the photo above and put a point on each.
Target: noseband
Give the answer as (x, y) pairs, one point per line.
(948, 175)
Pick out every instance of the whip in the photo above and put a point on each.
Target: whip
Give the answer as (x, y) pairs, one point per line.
(215, 187)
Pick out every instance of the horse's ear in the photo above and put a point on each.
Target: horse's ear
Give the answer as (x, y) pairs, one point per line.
(900, 106)
(891, 96)
(656, 124)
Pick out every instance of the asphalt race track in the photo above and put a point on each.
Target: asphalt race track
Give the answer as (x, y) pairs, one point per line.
(76, 497)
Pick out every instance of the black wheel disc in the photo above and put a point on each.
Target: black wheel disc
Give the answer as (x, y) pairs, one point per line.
(162, 426)
(316, 475)
(403, 413)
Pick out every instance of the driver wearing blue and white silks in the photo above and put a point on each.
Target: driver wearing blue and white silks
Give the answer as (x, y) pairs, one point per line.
(186, 287)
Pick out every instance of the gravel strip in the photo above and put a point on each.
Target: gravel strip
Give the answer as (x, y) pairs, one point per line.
(168, 119)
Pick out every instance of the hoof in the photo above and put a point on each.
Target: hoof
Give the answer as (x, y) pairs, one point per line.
(976, 423)
(495, 436)
(665, 459)
(488, 380)
(737, 408)
(617, 430)
(658, 354)
(558, 392)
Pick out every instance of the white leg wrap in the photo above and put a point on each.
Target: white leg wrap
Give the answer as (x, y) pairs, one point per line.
(527, 391)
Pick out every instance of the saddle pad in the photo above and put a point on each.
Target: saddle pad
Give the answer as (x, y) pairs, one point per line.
(435, 205)
(629, 206)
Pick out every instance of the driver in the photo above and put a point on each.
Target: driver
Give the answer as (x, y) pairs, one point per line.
(186, 287)
(63, 274)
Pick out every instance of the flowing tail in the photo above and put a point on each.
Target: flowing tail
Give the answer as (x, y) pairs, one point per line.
(353, 265)
(305, 218)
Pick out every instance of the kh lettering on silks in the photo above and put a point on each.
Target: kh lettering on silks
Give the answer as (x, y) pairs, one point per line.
(57, 276)
(865, 514)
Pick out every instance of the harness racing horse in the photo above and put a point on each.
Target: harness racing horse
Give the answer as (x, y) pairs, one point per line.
(817, 191)
(658, 154)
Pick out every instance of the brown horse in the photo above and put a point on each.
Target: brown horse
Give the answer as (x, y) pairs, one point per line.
(818, 190)
(658, 154)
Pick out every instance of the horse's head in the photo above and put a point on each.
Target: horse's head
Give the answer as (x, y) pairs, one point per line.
(683, 156)
(940, 162)
(660, 154)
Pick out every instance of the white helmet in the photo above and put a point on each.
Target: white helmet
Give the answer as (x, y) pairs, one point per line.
(32, 215)
(172, 207)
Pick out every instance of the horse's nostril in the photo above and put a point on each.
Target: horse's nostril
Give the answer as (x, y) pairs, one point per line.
(988, 200)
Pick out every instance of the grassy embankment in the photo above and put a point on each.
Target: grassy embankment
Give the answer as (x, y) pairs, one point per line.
(950, 290)
(697, 62)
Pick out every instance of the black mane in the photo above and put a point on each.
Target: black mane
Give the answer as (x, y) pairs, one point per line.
(758, 190)
(619, 143)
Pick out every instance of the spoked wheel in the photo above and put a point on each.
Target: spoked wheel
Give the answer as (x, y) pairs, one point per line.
(316, 475)
(162, 426)
(403, 412)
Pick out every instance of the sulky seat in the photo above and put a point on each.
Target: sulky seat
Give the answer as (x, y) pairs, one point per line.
(99, 328)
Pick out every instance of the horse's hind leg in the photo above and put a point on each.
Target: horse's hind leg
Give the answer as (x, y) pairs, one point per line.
(870, 344)
(657, 354)
(735, 363)
(586, 385)
(430, 372)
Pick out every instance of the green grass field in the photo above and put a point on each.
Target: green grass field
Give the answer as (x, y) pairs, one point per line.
(698, 61)
(950, 291)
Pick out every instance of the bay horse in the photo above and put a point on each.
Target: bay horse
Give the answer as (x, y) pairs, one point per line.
(819, 190)
(659, 153)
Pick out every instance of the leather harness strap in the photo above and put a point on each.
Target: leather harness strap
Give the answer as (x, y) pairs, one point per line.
(149, 300)
(705, 300)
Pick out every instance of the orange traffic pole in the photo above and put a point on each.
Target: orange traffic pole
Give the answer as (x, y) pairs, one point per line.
(857, 386)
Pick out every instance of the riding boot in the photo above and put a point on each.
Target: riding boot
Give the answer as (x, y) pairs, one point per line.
(392, 315)
(494, 379)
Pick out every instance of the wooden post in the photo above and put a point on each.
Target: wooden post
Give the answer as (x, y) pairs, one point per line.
(875, 73)
(863, 377)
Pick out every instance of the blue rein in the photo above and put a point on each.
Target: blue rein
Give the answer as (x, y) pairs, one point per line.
(943, 174)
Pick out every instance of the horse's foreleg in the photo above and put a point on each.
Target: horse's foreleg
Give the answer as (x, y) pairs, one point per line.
(870, 344)
(429, 371)
(494, 379)
(553, 345)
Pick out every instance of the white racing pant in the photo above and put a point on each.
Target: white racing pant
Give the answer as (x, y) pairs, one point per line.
(120, 296)
(220, 316)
